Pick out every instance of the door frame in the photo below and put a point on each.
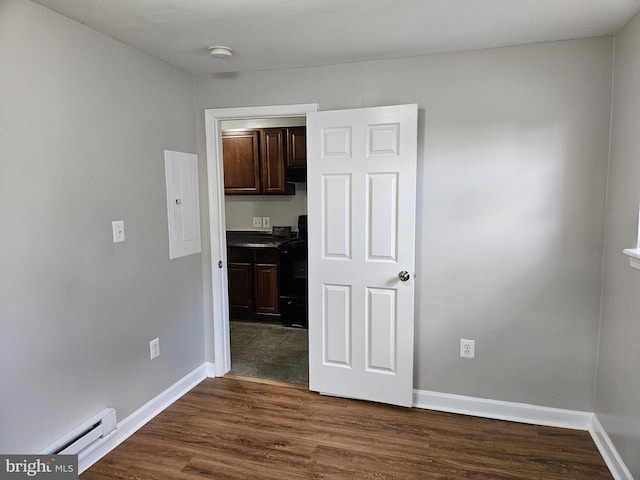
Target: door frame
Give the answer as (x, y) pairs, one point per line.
(219, 296)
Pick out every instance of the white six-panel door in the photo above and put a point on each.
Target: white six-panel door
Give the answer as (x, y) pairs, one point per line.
(361, 190)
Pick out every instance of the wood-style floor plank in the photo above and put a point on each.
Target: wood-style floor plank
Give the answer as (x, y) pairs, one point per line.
(232, 429)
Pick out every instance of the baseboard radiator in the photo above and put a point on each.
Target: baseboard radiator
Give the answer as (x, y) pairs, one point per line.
(87, 437)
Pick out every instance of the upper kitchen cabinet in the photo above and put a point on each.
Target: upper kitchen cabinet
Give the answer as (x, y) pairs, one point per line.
(241, 160)
(256, 160)
(273, 162)
(297, 147)
(296, 154)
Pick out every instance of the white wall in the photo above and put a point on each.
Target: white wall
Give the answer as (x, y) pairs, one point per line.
(618, 379)
(513, 147)
(84, 121)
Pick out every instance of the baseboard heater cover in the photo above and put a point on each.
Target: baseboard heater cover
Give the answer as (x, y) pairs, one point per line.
(87, 437)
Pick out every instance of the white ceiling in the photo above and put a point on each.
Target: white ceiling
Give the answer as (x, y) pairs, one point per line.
(273, 34)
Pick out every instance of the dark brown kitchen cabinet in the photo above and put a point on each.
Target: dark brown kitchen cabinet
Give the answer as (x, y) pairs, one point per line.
(240, 294)
(297, 147)
(266, 288)
(253, 283)
(273, 162)
(255, 163)
(240, 276)
(241, 160)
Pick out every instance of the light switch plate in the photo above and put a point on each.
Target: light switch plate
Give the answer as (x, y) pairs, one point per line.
(154, 348)
(266, 222)
(257, 222)
(118, 231)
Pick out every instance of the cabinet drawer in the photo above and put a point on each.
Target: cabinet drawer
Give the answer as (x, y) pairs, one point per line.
(239, 255)
(267, 255)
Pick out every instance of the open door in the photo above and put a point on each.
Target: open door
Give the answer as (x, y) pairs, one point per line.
(361, 191)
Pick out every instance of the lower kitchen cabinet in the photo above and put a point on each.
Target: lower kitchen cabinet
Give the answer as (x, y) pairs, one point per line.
(240, 288)
(253, 283)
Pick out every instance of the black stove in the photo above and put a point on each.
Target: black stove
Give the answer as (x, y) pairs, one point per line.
(293, 278)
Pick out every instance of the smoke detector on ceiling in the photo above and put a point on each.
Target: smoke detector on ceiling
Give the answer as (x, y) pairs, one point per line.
(221, 52)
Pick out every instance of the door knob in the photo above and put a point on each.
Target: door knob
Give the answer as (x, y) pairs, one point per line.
(404, 276)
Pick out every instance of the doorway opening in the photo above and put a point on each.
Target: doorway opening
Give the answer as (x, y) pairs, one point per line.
(249, 338)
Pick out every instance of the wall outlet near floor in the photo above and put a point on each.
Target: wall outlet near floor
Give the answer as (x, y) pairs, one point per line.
(266, 222)
(467, 348)
(154, 348)
(257, 222)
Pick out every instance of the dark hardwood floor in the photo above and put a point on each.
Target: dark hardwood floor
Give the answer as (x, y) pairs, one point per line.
(229, 428)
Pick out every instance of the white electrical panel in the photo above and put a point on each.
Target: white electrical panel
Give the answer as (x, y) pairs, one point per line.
(183, 206)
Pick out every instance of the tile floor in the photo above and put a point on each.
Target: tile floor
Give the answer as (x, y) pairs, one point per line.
(269, 351)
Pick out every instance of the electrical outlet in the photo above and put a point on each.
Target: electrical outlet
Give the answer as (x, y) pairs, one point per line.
(467, 348)
(266, 222)
(257, 222)
(154, 348)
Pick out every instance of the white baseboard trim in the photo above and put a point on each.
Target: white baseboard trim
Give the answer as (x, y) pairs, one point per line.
(211, 369)
(500, 410)
(526, 413)
(609, 453)
(137, 419)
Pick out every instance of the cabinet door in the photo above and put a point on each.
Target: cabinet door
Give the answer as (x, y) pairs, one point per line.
(240, 274)
(266, 288)
(241, 160)
(297, 147)
(273, 141)
(240, 288)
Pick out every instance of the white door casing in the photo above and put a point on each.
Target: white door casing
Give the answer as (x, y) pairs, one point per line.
(217, 338)
(361, 195)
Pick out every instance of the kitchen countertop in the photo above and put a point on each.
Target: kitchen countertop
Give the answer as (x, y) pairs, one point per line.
(249, 239)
